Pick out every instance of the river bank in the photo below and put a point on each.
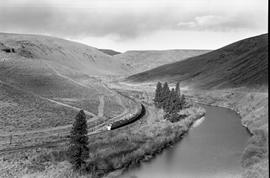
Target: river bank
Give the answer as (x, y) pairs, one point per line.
(116, 150)
(252, 106)
(210, 150)
(139, 143)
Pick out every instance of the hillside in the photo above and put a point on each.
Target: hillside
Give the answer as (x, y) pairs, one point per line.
(140, 61)
(241, 64)
(44, 79)
(62, 52)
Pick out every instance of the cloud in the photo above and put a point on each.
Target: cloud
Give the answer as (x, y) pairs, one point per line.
(80, 22)
(126, 20)
(217, 23)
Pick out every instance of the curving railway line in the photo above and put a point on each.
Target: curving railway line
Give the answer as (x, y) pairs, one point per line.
(125, 121)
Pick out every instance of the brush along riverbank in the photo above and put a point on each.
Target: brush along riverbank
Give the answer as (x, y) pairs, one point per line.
(144, 141)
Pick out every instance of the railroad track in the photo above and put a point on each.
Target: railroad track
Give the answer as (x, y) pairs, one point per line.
(52, 144)
(93, 133)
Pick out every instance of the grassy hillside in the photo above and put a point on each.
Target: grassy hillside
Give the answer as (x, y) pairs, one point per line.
(70, 54)
(22, 111)
(244, 63)
(140, 61)
(45, 81)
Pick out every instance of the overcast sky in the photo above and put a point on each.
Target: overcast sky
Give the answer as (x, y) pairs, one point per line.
(138, 24)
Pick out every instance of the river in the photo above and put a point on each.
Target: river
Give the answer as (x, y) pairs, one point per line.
(212, 149)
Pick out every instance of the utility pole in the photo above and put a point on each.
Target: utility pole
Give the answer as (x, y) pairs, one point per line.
(10, 139)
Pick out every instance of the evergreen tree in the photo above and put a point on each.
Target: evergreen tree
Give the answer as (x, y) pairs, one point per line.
(165, 95)
(171, 102)
(78, 149)
(177, 89)
(158, 94)
(178, 99)
(178, 104)
(183, 101)
(175, 103)
(168, 102)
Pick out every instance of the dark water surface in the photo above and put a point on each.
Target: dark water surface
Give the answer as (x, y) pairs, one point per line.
(211, 149)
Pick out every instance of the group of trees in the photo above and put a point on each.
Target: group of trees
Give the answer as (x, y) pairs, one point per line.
(171, 101)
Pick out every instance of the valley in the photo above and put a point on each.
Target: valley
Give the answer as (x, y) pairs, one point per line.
(45, 82)
(236, 77)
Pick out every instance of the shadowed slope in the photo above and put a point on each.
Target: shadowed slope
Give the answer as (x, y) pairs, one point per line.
(244, 63)
(109, 52)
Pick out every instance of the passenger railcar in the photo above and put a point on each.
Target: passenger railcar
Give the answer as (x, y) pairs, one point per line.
(128, 119)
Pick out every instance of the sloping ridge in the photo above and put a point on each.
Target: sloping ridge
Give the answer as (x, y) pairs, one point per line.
(243, 63)
(109, 52)
(74, 55)
(142, 60)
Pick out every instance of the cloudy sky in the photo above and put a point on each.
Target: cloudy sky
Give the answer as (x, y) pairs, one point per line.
(138, 24)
